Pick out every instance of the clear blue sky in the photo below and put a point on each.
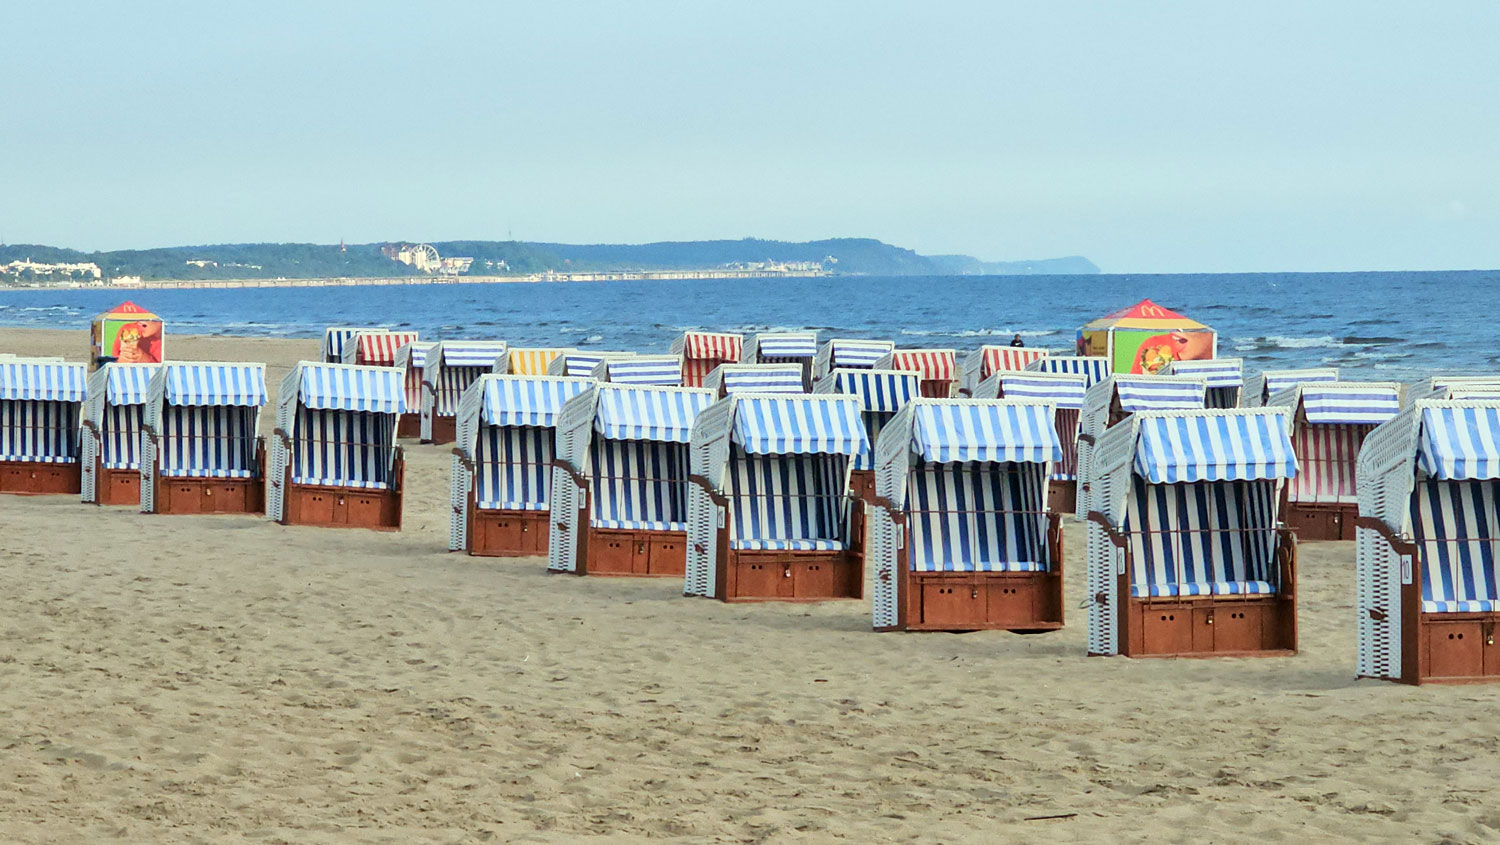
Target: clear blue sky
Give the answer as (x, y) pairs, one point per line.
(1149, 136)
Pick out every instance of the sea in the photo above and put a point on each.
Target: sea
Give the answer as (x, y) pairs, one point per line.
(1385, 326)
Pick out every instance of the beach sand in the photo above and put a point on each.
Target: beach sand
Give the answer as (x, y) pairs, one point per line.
(207, 678)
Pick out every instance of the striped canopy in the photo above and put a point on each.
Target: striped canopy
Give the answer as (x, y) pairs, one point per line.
(379, 348)
(1217, 372)
(414, 355)
(787, 345)
(216, 384)
(1460, 443)
(998, 358)
(711, 345)
(643, 413)
(1053, 391)
(528, 401)
(127, 384)
(650, 370)
(799, 425)
(1138, 395)
(42, 381)
(1214, 447)
(1335, 404)
(336, 387)
(1095, 369)
(583, 363)
(763, 378)
(933, 364)
(472, 353)
(334, 338)
(1279, 380)
(956, 432)
(859, 354)
(878, 391)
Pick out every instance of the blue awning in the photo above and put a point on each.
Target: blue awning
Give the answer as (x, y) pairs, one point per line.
(216, 384)
(799, 425)
(787, 345)
(859, 354)
(765, 378)
(416, 354)
(961, 431)
(1348, 404)
(342, 387)
(1054, 391)
(533, 401)
(878, 391)
(1279, 381)
(1214, 447)
(128, 384)
(472, 353)
(643, 413)
(42, 381)
(1145, 394)
(1217, 372)
(1093, 369)
(1460, 443)
(646, 371)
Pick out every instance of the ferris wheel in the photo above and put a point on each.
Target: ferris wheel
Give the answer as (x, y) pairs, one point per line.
(424, 257)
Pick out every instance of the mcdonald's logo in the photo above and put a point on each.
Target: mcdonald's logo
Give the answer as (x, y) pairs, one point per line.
(1153, 311)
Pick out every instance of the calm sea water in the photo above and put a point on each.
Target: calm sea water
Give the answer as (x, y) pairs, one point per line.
(1374, 325)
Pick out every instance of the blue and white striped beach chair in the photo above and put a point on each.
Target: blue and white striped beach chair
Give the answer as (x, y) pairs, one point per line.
(881, 393)
(1225, 378)
(450, 368)
(201, 452)
(1115, 398)
(41, 401)
(112, 419)
(727, 379)
(794, 348)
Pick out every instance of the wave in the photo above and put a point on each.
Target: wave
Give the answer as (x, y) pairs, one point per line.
(1283, 342)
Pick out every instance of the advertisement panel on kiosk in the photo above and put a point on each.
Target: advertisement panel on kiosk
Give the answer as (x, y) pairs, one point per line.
(1145, 338)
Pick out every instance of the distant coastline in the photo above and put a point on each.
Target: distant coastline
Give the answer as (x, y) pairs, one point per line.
(365, 281)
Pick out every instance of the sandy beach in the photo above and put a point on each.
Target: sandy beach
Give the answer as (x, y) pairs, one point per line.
(212, 678)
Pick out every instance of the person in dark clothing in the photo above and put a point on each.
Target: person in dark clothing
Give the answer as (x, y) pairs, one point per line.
(1017, 341)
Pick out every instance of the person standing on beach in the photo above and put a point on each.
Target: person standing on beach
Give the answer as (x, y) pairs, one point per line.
(1017, 341)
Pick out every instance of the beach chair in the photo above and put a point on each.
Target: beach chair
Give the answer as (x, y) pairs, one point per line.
(841, 353)
(728, 379)
(700, 352)
(880, 393)
(938, 369)
(411, 358)
(335, 338)
(1427, 597)
(533, 360)
(1093, 369)
(577, 363)
(112, 418)
(376, 348)
(770, 513)
(619, 489)
(334, 459)
(200, 452)
(41, 401)
(1225, 378)
(1330, 420)
(1452, 387)
(1186, 556)
(797, 348)
(1117, 397)
(502, 463)
(961, 537)
(1261, 386)
(451, 367)
(988, 360)
(641, 370)
(1064, 392)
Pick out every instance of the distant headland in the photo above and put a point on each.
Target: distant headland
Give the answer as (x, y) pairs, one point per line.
(407, 262)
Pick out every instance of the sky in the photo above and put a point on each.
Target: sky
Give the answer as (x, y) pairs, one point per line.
(1148, 136)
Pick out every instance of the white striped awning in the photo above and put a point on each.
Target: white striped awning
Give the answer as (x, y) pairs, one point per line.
(42, 381)
(1217, 372)
(713, 346)
(1054, 391)
(472, 353)
(933, 364)
(643, 413)
(1459, 444)
(528, 401)
(958, 432)
(878, 391)
(1349, 404)
(378, 349)
(1092, 368)
(340, 387)
(859, 354)
(1214, 447)
(583, 363)
(216, 384)
(1279, 380)
(763, 378)
(128, 384)
(799, 425)
(648, 370)
(1138, 395)
(414, 355)
(787, 345)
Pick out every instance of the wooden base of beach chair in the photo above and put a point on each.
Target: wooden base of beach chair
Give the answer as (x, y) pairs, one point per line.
(973, 601)
(444, 430)
(1322, 521)
(503, 533)
(790, 576)
(1062, 496)
(117, 486)
(34, 478)
(1251, 626)
(1452, 648)
(210, 495)
(639, 553)
(409, 425)
(342, 507)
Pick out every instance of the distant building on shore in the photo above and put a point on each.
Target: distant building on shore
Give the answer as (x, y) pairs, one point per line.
(82, 270)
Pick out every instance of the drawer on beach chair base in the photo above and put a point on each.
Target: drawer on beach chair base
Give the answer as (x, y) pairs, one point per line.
(789, 575)
(507, 532)
(409, 426)
(611, 551)
(117, 486)
(1250, 626)
(1456, 648)
(1062, 495)
(210, 495)
(40, 477)
(343, 507)
(973, 601)
(444, 429)
(1320, 521)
